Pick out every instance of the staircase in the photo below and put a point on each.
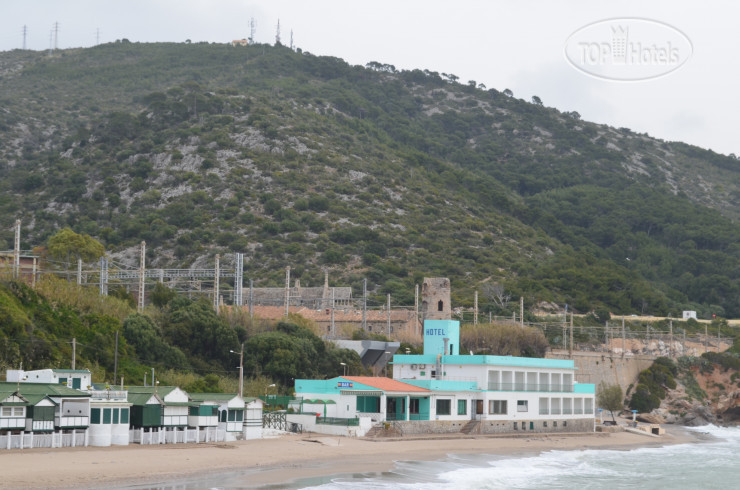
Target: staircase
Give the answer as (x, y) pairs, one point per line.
(470, 427)
(376, 431)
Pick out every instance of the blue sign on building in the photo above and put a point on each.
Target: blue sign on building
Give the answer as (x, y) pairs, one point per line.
(344, 384)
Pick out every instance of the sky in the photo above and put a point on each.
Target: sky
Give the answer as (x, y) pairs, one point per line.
(519, 45)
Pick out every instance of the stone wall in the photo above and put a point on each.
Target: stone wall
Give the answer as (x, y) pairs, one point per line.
(595, 367)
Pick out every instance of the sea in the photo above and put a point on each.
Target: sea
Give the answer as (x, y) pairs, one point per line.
(712, 463)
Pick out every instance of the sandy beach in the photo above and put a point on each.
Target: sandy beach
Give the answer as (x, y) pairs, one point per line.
(280, 460)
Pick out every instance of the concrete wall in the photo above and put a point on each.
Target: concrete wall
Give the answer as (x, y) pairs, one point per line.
(496, 426)
(595, 367)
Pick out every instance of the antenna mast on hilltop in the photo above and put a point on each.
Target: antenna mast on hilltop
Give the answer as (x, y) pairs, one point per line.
(277, 34)
(25, 31)
(56, 36)
(252, 30)
(97, 40)
(291, 39)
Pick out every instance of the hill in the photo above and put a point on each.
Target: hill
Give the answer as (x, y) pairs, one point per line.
(375, 173)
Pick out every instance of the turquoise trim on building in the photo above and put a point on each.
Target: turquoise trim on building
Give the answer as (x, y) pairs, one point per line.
(332, 386)
(585, 388)
(530, 362)
(443, 385)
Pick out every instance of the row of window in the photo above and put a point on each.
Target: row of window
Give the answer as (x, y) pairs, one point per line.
(109, 415)
(12, 412)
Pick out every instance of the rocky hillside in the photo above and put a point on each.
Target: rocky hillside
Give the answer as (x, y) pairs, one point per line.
(371, 172)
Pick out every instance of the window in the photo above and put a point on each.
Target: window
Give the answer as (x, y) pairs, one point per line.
(7, 411)
(223, 416)
(124, 415)
(544, 424)
(516, 426)
(18, 411)
(440, 305)
(565, 423)
(95, 416)
(106, 415)
(462, 407)
(414, 406)
(444, 407)
(497, 407)
(555, 423)
(116, 415)
(522, 406)
(63, 381)
(232, 416)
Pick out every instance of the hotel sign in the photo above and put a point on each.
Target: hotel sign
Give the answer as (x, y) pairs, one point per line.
(344, 384)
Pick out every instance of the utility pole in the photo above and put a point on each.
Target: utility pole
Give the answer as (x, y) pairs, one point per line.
(706, 339)
(624, 340)
(17, 250)
(115, 360)
(364, 304)
(239, 280)
(252, 30)
(104, 276)
(389, 314)
(287, 291)
(142, 272)
(670, 344)
(74, 352)
(216, 285)
(570, 349)
(521, 310)
(475, 308)
(416, 309)
(79, 272)
(25, 31)
(251, 298)
(333, 328)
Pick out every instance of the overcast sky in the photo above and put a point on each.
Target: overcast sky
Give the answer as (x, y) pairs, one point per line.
(514, 44)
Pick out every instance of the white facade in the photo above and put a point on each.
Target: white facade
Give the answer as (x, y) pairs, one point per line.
(689, 314)
(80, 379)
(110, 415)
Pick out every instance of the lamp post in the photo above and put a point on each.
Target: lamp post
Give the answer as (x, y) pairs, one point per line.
(344, 364)
(241, 370)
(267, 388)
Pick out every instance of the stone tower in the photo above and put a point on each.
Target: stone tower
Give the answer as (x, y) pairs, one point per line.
(435, 299)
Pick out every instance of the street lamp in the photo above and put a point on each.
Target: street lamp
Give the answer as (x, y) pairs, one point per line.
(345, 367)
(268, 387)
(241, 370)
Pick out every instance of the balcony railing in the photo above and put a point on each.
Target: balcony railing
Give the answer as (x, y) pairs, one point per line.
(338, 421)
(542, 388)
(71, 421)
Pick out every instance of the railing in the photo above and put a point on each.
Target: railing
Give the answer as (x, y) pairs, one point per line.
(71, 421)
(548, 388)
(555, 411)
(274, 420)
(163, 436)
(109, 394)
(578, 411)
(13, 423)
(402, 416)
(544, 411)
(338, 421)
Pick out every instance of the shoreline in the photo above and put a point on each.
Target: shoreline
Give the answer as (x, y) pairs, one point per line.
(286, 459)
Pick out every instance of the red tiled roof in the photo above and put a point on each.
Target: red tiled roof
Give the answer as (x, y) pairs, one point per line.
(385, 384)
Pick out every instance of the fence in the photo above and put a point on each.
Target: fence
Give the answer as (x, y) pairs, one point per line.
(338, 421)
(29, 440)
(163, 436)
